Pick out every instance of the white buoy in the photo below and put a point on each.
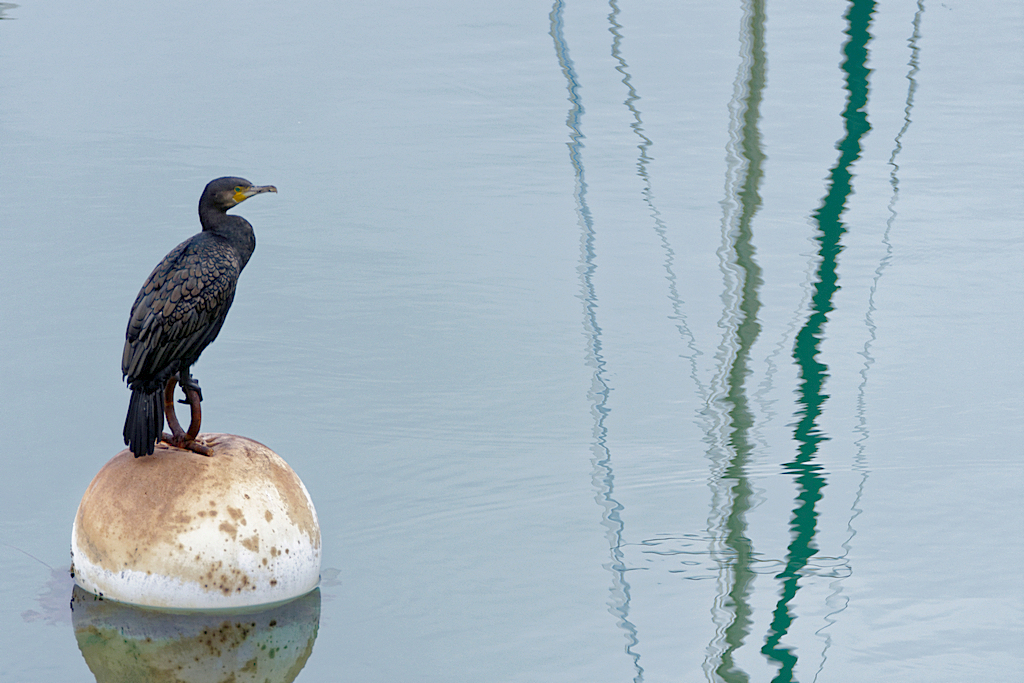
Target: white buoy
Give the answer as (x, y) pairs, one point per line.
(179, 530)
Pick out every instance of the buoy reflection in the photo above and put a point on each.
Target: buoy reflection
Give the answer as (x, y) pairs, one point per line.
(126, 643)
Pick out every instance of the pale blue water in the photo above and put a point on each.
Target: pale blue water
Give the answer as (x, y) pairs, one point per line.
(628, 341)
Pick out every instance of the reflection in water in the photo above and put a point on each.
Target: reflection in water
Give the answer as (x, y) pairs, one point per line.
(643, 160)
(731, 485)
(807, 472)
(860, 460)
(603, 475)
(126, 643)
(869, 319)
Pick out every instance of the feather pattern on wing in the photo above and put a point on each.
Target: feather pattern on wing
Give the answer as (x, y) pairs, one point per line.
(181, 308)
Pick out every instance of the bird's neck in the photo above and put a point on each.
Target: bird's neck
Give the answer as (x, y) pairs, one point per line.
(235, 229)
(210, 216)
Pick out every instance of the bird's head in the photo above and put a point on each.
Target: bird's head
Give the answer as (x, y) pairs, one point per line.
(223, 193)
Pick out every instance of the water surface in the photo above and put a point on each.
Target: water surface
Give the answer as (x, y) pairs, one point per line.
(614, 342)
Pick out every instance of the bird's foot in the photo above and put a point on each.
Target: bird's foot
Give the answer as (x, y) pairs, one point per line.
(189, 383)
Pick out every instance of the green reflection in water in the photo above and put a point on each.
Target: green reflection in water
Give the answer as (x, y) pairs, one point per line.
(836, 598)
(809, 479)
(740, 255)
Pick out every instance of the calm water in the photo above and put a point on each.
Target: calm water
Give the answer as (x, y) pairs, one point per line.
(614, 342)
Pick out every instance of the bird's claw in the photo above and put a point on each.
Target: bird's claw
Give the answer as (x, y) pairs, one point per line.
(190, 383)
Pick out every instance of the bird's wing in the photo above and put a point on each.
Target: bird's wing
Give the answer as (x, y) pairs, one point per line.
(181, 307)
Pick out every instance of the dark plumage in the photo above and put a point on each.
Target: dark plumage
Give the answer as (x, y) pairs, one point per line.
(181, 308)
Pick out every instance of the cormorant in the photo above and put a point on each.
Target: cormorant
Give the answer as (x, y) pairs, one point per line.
(179, 311)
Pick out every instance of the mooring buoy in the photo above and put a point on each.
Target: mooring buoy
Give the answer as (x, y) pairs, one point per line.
(182, 531)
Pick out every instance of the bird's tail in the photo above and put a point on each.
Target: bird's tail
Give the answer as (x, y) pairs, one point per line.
(145, 421)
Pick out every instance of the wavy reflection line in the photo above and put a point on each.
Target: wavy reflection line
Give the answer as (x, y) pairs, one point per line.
(807, 472)
(743, 279)
(643, 161)
(603, 476)
(860, 459)
(869, 320)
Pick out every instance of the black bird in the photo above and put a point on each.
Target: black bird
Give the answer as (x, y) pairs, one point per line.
(179, 311)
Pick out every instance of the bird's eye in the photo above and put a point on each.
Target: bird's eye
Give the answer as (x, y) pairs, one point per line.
(238, 188)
